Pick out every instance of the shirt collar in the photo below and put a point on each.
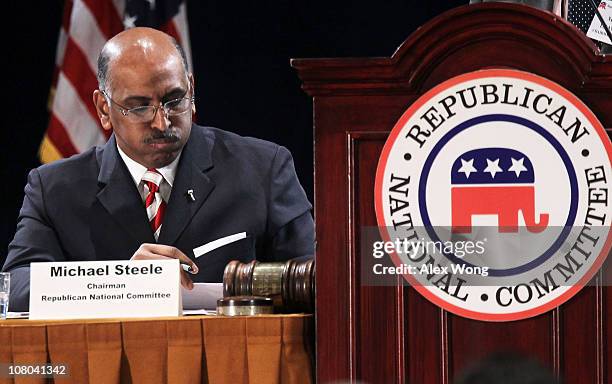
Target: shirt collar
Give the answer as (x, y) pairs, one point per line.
(138, 170)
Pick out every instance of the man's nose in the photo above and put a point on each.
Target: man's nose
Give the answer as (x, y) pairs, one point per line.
(160, 119)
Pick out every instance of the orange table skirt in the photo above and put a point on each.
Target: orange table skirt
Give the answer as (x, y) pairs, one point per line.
(198, 349)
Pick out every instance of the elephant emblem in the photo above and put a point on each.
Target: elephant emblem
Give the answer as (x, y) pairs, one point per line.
(494, 181)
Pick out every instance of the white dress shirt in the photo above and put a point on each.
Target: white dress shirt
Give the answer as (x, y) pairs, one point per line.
(138, 170)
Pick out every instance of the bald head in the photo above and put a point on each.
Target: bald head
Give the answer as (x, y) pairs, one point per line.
(137, 45)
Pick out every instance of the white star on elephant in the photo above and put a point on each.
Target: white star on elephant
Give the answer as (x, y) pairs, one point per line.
(467, 167)
(493, 167)
(517, 166)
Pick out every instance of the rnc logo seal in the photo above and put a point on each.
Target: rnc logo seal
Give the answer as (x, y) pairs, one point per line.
(515, 166)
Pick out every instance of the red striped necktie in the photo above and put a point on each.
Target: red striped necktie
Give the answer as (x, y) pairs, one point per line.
(154, 203)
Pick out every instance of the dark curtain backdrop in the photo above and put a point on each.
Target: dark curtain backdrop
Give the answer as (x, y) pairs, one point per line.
(241, 53)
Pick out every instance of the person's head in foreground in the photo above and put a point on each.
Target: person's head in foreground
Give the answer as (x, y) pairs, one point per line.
(145, 95)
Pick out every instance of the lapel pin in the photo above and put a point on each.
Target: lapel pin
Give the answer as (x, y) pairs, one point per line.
(191, 196)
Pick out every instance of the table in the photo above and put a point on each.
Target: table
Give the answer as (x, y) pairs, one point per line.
(190, 349)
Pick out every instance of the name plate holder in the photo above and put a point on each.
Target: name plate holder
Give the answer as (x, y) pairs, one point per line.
(105, 289)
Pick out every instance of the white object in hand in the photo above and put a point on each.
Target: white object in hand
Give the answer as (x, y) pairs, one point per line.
(203, 249)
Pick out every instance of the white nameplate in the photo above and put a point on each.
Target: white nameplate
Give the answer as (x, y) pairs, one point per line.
(102, 289)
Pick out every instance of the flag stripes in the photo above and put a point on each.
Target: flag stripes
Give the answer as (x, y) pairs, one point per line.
(86, 26)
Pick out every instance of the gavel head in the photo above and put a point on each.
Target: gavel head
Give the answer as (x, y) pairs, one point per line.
(290, 284)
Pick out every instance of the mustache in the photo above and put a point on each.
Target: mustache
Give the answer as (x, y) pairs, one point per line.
(168, 136)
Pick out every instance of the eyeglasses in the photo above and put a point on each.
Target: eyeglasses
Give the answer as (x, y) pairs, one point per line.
(146, 113)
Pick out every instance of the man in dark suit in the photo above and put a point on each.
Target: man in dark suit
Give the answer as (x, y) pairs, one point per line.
(161, 186)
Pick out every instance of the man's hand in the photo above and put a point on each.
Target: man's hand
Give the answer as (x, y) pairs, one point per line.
(160, 252)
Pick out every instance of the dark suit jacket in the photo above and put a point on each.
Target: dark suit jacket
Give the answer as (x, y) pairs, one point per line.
(87, 207)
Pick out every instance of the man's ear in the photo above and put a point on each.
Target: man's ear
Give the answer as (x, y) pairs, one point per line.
(191, 82)
(102, 108)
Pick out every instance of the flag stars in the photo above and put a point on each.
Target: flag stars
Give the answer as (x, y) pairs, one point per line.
(129, 21)
(517, 166)
(497, 168)
(493, 167)
(467, 167)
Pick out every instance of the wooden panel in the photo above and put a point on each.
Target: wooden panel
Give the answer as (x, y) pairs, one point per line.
(582, 330)
(354, 315)
(579, 333)
(606, 347)
(472, 340)
(426, 340)
(334, 313)
(392, 334)
(378, 310)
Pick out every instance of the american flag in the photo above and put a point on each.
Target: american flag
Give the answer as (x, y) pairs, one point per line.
(581, 13)
(86, 26)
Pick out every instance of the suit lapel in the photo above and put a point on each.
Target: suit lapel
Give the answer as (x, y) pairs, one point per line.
(120, 197)
(191, 186)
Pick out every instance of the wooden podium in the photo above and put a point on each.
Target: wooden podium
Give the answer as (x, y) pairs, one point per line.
(392, 334)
